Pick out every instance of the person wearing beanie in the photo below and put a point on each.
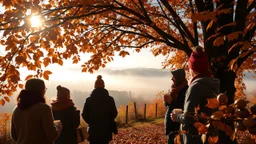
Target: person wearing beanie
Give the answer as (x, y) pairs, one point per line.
(175, 99)
(64, 110)
(201, 87)
(99, 112)
(32, 121)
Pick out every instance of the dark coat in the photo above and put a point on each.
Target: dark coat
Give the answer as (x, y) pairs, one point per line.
(70, 121)
(99, 111)
(197, 94)
(171, 126)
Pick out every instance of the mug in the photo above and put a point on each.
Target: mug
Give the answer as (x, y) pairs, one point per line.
(177, 111)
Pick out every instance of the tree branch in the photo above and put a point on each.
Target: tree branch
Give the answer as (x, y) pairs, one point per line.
(194, 23)
(179, 21)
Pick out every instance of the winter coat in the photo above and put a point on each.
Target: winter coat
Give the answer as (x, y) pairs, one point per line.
(171, 126)
(70, 121)
(34, 125)
(197, 94)
(99, 112)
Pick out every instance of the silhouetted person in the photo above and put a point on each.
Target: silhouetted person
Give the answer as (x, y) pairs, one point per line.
(99, 112)
(64, 110)
(175, 99)
(32, 121)
(201, 87)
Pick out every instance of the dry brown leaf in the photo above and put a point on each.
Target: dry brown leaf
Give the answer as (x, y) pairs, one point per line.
(212, 103)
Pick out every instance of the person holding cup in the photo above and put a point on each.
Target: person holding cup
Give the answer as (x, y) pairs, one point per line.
(202, 86)
(174, 99)
(32, 120)
(64, 110)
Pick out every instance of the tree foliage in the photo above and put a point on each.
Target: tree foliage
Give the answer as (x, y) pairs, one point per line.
(226, 29)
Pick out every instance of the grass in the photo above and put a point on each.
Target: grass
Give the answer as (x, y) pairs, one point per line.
(142, 122)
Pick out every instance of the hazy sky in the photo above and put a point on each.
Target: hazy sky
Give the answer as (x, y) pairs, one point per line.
(140, 73)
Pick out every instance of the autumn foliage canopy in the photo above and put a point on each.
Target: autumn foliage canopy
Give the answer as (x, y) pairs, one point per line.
(105, 28)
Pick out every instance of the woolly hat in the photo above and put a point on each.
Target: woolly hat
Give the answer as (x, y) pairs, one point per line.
(198, 61)
(99, 83)
(62, 92)
(179, 76)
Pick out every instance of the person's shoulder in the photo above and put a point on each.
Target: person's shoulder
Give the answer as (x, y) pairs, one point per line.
(42, 106)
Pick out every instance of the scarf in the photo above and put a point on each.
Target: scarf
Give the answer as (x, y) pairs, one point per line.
(28, 99)
(174, 91)
(200, 75)
(61, 104)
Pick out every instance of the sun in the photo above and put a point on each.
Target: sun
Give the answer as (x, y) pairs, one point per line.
(35, 21)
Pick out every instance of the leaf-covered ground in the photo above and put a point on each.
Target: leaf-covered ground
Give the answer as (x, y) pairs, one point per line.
(144, 134)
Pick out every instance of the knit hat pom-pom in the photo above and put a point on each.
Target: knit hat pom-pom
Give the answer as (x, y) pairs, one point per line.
(59, 87)
(198, 49)
(99, 77)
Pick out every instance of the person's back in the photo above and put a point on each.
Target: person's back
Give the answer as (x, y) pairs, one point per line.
(32, 124)
(32, 120)
(64, 110)
(99, 112)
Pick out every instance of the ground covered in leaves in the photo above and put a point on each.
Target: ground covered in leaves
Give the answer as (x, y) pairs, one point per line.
(151, 133)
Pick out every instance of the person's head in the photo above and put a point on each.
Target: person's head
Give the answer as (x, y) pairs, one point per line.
(99, 83)
(178, 76)
(62, 92)
(198, 62)
(35, 86)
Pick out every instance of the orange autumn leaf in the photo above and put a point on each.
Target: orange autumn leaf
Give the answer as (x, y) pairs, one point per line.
(213, 140)
(7, 99)
(177, 139)
(212, 103)
(202, 129)
(2, 102)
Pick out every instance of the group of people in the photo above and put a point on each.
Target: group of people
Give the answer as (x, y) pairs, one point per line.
(189, 95)
(35, 122)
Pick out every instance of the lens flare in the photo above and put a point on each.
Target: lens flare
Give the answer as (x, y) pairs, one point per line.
(35, 21)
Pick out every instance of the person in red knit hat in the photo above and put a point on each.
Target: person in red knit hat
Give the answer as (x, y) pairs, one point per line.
(201, 87)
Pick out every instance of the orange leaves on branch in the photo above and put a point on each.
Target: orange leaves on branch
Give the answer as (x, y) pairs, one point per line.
(123, 53)
(2, 102)
(209, 25)
(21, 86)
(202, 129)
(46, 61)
(212, 103)
(234, 35)
(46, 74)
(222, 126)
(213, 140)
(218, 41)
(7, 99)
(29, 77)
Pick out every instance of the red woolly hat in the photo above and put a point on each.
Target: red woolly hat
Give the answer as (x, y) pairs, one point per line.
(198, 62)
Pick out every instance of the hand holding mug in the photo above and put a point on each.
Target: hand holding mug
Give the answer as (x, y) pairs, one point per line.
(58, 123)
(175, 113)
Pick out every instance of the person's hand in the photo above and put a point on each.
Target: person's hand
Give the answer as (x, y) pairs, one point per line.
(174, 117)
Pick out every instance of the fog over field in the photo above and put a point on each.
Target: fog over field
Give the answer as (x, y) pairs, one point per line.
(141, 83)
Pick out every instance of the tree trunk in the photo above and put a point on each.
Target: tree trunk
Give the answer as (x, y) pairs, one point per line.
(227, 85)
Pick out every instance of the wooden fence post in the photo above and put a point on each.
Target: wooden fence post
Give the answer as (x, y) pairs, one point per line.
(156, 110)
(126, 115)
(135, 110)
(145, 111)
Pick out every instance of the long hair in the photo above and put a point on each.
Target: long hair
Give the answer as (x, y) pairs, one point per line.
(35, 86)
